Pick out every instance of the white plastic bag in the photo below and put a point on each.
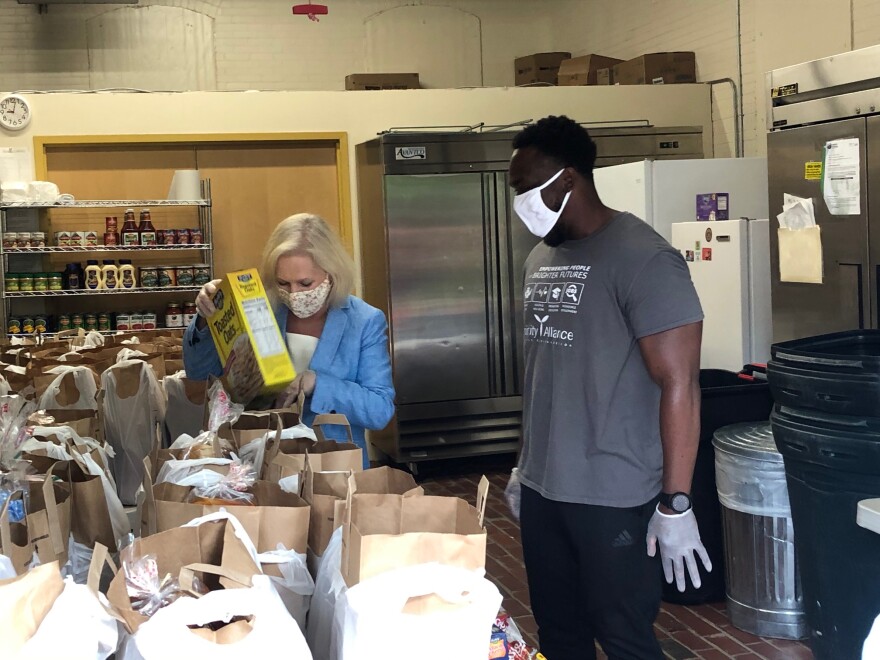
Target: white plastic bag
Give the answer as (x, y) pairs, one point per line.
(388, 612)
(6, 570)
(76, 628)
(191, 472)
(83, 379)
(292, 581)
(267, 631)
(329, 586)
(871, 650)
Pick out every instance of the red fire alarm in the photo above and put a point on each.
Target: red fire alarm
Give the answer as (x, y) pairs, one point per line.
(311, 10)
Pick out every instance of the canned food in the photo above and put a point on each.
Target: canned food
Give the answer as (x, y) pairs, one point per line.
(27, 325)
(63, 322)
(13, 326)
(41, 282)
(23, 239)
(149, 277)
(173, 316)
(170, 237)
(201, 274)
(12, 282)
(123, 322)
(91, 239)
(167, 276)
(183, 237)
(104, 321)
(190, 312)
(38, 239)
(76, 321)
(137, 322)
(111, 238)
(56, 281)
(90, 322)
(41, 324)
(184, 275)
(10, 240)
(62, 238)
(196, 237)
(26, 282)
(150, 320)
(78, 239)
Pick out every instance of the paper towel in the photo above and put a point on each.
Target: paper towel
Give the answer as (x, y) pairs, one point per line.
(185, 185)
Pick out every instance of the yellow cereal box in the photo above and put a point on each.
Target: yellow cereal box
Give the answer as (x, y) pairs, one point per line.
(251, 348)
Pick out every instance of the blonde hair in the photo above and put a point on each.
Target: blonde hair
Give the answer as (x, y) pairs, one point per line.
(309, 234)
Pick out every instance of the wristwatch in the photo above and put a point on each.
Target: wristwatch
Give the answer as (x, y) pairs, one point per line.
(678, 502)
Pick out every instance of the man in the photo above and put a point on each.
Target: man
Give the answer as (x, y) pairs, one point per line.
(611, 406)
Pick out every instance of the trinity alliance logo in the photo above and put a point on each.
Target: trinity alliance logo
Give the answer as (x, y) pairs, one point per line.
(547, 333)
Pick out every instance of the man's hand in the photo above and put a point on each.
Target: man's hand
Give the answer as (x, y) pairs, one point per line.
(679, 538)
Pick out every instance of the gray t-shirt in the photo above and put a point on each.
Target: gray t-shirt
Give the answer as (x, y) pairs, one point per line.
(591, 419)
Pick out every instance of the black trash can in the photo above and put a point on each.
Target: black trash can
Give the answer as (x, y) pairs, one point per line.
(827, 427)
(727, 399)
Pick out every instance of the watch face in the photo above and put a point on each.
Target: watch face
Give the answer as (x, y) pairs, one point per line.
(15, 113)
(680, 502)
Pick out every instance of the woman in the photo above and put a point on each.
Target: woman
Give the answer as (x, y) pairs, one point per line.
(338, 342)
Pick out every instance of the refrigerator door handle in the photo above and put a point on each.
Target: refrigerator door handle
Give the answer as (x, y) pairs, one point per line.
(490, 230)
(507, 288)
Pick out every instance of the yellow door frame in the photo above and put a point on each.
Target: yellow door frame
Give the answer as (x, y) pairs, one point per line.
(338, 138)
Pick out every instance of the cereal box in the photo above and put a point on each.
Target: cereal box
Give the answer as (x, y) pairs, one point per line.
(253, 353)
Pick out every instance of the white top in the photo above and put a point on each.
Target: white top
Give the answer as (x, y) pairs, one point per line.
(301, 348)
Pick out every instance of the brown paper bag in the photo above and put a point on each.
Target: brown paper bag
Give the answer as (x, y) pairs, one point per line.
(287, 457)
(84, 422)
(276, 517)
(383, 532)
(326, 493)
(211, 548)
(95, 516)
(44, 530)
(24, 603)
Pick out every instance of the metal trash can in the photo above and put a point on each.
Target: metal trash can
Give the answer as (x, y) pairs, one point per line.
(763, 586)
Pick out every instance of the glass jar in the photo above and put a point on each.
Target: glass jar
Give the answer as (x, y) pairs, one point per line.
(90, 322)
(12, 282)
(76, 321)
(41, 282)
(173, 315)
(190, 312)
(56, 281)
(26, 282)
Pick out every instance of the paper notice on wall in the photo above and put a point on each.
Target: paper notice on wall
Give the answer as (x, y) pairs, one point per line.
(16, 164)
(841, 184)
(797, 212)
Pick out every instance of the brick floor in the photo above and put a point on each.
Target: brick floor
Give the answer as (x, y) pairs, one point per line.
(685, 633)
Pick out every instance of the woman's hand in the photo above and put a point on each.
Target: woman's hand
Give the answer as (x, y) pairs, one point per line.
(205, 302)
(304, 383)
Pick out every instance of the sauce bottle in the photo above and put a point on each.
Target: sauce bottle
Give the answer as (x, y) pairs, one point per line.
(130, 234)
(146, 229)
(94, 276)
(127, 275)
(110, 275)
(73, 278)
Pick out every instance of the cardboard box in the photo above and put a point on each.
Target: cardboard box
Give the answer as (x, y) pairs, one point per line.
(605, 76)
(373, 81)
(713, 206)
(538, 68)
(253, 353)
(582, 70)
(657, 69)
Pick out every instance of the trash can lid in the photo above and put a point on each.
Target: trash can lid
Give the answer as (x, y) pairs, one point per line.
(750, 439)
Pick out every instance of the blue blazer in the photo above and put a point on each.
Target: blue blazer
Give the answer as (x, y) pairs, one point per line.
(351, 364)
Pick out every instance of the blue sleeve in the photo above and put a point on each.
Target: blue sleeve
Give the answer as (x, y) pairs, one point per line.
(367, 401)
(200, 358)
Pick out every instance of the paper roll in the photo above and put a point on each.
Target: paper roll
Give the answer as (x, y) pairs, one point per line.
(185, 185)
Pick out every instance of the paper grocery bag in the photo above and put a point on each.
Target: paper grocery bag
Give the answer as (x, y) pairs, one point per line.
(184, 551)
(187, 400)
(44, 530)
(326, 493)
(96, 514)
(83, 421)
(383, 532)
(133, 406)
(275, 516)
(286, 458)
(384, 481)
(24, 603)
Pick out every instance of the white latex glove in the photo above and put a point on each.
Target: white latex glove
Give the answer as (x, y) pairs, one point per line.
(304, 382)
(679, 538)
(204, 301)
(512, 493)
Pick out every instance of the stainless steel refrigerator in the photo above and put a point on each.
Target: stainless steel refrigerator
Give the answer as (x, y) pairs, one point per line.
(442, 254)
(809, 107)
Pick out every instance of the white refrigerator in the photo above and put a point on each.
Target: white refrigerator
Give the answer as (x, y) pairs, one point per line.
(662, 192)
(730, 266)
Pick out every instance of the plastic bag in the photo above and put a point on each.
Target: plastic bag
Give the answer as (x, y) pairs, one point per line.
(148, 591)
(221, 409)
(231, 488)
(291, 579)
(515, 648)
(83, 379)
(14, 428)
(329, 587)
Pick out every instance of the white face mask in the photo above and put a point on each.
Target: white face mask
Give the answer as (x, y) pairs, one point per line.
(304, 304)
(531, 209)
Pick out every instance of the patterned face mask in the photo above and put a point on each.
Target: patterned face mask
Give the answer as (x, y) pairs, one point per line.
(304, 304)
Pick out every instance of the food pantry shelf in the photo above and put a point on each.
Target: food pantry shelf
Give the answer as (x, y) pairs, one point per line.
(52, 249)
(108, 204)
(102, 292)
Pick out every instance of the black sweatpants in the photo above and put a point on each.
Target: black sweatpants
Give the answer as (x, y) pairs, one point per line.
(590, 578)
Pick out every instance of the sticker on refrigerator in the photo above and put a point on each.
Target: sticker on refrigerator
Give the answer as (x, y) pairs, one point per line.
(709, 235)
(841, 183)
(411, 153)
(707, 254)
(689, 255)
(813, 170)
(784, 90)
